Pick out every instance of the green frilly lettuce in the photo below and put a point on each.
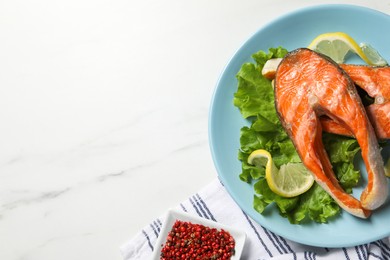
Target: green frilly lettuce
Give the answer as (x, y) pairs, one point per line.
(255, 100)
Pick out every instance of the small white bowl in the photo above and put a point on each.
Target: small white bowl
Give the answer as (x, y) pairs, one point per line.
(173, 215)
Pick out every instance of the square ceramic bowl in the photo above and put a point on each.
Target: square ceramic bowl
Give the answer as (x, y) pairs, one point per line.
(173, 215)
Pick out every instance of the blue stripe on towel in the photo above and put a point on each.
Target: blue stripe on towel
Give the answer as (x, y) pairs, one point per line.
(346, 253)
(157, 225)
(287, 245)
(154, 229)
(375, 255)
(357, 249)
(148, 239)
(205, 207)
(200, 207)
(270, 237)
(282, 242)
(183, 208)
(384, 246)
(257, 234)
(159, 222)
(385, 249)
(195, 207)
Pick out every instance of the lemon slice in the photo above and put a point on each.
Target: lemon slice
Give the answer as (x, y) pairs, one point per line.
(387, 168)
(291, 180)
(337, 45)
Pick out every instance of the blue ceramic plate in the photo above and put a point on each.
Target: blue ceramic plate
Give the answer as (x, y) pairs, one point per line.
(292, 31)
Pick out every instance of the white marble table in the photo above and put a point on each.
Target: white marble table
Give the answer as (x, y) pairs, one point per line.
(104, 114)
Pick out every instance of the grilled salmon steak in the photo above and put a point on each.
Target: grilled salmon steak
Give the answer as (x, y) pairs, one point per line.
(379, 115)
(309, 85)
(375, 81)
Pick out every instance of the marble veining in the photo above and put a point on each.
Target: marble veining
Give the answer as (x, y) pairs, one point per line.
(29, 197)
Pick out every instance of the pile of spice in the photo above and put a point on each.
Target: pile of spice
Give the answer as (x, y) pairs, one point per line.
(187, 240)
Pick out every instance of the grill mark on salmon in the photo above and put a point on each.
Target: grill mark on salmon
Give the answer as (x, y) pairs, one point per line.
(309, 85)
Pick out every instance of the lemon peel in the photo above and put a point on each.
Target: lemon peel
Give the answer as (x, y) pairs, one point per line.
(292, 179)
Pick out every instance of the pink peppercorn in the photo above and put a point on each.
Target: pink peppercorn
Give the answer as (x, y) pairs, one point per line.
(187, 240)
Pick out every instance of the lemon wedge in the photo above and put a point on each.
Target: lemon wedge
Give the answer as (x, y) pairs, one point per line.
(337, 45)
(292, 179)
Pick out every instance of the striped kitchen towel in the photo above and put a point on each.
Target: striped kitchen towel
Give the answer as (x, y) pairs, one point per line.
(213, 202)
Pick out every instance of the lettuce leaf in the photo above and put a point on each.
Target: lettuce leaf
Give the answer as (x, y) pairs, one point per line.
(254, 94)
(255, 100)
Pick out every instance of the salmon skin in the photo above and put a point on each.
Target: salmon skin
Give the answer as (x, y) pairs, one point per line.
(309, 85)
(375, 81)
